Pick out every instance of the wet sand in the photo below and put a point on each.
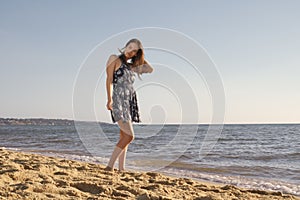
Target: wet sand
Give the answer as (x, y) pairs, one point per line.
(32, 176)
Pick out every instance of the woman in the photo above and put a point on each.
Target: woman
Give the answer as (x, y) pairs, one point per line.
(121, 96)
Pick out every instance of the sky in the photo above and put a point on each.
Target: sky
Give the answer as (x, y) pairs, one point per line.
(46, 47)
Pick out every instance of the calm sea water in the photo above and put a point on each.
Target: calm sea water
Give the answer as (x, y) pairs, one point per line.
(250, 156)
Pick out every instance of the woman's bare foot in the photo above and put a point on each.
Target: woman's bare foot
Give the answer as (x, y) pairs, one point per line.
(110, 169)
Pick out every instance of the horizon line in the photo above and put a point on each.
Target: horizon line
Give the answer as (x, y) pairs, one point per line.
(226, 123)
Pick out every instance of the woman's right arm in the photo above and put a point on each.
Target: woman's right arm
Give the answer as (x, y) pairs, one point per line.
(110, 67)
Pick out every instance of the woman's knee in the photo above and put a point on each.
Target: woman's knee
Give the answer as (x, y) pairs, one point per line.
(129, 138)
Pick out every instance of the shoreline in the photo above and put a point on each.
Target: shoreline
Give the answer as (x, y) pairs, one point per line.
(34, 176)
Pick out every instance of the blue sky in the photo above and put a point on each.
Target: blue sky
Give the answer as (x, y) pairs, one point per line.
(254, 44)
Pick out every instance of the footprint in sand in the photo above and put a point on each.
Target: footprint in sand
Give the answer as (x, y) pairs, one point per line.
(89, 187)
(61, 173)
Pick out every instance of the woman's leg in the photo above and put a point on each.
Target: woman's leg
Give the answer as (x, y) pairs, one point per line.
(127, 137)
(114, 156)
(122, 159)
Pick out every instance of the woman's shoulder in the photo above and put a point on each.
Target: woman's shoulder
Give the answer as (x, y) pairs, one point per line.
(113, 59)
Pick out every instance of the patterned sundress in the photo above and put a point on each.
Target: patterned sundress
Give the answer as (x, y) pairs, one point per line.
(125, 105)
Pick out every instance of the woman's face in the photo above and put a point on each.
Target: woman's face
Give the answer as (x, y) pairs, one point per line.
(131, 50)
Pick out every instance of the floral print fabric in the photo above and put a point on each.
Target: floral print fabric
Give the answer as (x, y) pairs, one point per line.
(125, 105)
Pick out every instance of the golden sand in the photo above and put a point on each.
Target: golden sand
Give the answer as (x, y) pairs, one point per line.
(32, 176)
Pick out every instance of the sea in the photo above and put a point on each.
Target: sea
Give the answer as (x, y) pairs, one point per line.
(253, 156)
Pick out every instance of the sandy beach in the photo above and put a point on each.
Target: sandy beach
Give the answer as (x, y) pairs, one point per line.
(32, 176)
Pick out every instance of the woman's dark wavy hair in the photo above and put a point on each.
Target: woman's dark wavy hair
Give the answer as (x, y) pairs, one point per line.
(138, 59)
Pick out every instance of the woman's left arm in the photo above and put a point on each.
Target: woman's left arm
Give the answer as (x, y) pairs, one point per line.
(144, 68)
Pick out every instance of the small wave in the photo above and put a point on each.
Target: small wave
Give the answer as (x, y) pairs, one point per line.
(185, 157)
(10, 148)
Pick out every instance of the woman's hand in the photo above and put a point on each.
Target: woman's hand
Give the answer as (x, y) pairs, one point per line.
(109, 105)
